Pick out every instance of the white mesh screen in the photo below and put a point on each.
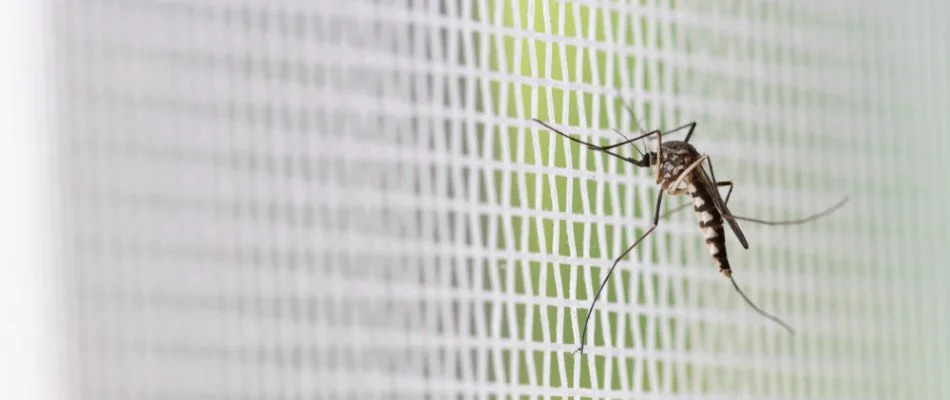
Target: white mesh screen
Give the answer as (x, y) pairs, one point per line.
(348, 200)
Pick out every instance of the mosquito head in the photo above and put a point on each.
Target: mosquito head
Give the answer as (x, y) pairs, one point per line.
(646, 160)
(651, 159)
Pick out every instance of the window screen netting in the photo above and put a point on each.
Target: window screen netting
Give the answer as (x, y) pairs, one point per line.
(349, 200)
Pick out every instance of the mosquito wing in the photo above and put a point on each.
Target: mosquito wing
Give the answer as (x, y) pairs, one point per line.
(707, 183)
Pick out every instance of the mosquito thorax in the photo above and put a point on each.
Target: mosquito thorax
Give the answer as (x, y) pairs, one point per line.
(676, 157)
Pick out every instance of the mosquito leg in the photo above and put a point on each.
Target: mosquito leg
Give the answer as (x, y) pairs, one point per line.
(683, 206)
(676, 192)
(588, 144)
(594, 146)
(712, 173)
(659, 157)
(761, 312)
(729, 193)
(809, 218)
(603, 284)
(600, 148)
(799, 221)
(676, 210)
(691, 125)
(726, 214)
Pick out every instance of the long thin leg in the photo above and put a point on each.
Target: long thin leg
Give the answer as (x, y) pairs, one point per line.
(799, 221)
(659, 157)
(712, 173)
(634, 145)
(636, 121)
(726, 214)
(729, 193)
(603, 284)
(596, 147)
(809, 218)
(684, 205)
(761, 312)
(691, 125)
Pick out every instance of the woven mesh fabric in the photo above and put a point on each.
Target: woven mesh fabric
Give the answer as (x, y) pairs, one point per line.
(319, 200)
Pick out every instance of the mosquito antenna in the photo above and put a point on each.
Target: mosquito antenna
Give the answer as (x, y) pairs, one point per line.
(620, 133)
(632, 144)
(636, 121)
(775, 319)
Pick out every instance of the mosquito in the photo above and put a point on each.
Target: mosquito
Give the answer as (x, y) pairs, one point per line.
(680, 171)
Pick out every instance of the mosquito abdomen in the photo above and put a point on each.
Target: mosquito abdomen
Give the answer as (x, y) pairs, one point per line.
(710, 223)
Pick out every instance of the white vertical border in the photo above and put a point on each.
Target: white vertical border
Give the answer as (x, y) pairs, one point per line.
(29, 331)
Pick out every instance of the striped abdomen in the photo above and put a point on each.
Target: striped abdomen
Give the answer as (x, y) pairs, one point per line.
(710, 223)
